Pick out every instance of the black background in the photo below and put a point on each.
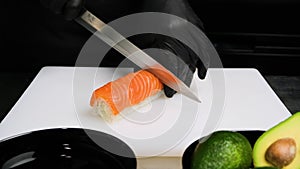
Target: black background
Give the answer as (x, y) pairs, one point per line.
(263, 34)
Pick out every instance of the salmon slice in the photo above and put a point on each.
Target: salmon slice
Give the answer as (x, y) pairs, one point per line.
(112, 98)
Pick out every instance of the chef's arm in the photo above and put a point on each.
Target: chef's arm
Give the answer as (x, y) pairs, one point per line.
(70, 9)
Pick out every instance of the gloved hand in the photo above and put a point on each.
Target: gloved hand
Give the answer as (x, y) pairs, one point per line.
(177, 57)
(182, 66)
(70, 9)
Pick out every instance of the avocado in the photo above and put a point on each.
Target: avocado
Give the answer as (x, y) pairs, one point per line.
(280, 145)
(223, 150)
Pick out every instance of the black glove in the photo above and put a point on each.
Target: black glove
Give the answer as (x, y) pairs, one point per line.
(70, 9)
(177, 57)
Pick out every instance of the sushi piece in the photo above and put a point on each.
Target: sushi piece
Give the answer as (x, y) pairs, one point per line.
(134, 89)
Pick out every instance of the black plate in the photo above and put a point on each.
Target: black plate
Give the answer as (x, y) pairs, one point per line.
(252, 136)
(66, 149)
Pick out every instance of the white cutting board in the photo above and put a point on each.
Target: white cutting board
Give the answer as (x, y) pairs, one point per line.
(232, 99)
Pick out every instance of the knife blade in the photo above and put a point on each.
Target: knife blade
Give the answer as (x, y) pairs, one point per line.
(133, 53)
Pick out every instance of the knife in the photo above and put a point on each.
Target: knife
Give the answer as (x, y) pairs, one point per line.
(133, 53)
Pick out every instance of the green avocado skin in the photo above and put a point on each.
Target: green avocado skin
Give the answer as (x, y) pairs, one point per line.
(223, 150)
(265, 168)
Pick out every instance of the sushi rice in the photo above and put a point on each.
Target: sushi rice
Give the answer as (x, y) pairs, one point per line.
(104, 110)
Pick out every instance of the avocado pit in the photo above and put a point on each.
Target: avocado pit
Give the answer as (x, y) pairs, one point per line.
(282, 152)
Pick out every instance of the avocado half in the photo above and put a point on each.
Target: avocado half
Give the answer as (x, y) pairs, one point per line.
(289, 128)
